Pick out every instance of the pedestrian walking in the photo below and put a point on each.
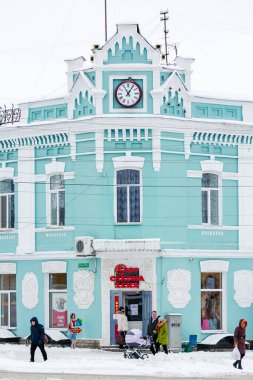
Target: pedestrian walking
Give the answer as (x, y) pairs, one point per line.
(239, 341)
(162, 335)
(151, 330)
(37, 338)
(122, 325)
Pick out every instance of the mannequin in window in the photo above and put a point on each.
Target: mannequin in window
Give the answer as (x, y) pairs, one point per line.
(210, 282)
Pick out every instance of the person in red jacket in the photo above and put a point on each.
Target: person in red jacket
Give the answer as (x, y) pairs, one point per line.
(239, 341)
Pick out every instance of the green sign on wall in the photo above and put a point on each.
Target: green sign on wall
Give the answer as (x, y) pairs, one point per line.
(83, 265)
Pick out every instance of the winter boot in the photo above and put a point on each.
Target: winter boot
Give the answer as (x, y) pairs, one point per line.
(240, 364)
(235, 363)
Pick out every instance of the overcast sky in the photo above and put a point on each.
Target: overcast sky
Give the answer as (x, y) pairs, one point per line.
(36, 36)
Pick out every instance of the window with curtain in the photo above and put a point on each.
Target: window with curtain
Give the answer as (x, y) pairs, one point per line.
(128, 196)
(8, 315)
(210, 198)
(7, 209)
(57, 200)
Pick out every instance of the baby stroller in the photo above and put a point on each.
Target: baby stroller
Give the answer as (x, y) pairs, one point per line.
(134, 341)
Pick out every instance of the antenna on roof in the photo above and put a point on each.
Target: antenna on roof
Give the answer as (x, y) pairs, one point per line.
(165, 18)
(105, 20)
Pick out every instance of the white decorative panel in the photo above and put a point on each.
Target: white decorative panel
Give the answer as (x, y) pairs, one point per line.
(55, 167)
(243, 286)
(8, 268)
(83, 285)
(54, 267)
(179, 285)
(30, 289)
(214, 266)
(211, 166)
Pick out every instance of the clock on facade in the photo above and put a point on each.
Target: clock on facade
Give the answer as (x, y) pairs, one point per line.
(128, 93)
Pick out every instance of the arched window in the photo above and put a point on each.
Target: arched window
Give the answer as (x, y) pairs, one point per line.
(7, 209)
(128, 196)
(210, 198)
(57, 200)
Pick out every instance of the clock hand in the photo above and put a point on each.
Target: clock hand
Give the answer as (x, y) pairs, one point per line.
(128, 92)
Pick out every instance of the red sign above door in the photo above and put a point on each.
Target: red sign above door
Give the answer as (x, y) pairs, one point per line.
(125, 277)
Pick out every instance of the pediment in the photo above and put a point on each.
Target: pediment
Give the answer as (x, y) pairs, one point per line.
(127, 46)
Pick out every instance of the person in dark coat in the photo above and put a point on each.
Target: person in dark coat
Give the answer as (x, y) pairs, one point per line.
(37, 338)
(151, 331)
(239, 341)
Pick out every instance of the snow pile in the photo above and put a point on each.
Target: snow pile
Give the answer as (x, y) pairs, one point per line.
(88, 361)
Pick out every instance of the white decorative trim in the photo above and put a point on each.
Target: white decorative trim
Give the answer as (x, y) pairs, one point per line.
(83, 286)
(179, 286)
(214, 266)
(132, 245)
(54, 167)
(224, 175)
(99, 141)
(43, 177)
(212, 166)
(30, 290)
(54, 267)
(156, 146)
(128, 162)
(8, 268)
(6, 173)
(243, 286)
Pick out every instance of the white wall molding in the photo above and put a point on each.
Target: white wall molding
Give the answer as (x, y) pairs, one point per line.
(214, 266)
(30, 290)
(6, 173)
(179, 286)
(211, 166)
(54, 167)
(54, 267)
(83, 286)
(243, 286)
(224, 175)
(8, 268)
(132, 245)
(128, 162)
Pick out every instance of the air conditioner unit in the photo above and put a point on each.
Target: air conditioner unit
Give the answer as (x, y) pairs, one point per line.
(84, 246)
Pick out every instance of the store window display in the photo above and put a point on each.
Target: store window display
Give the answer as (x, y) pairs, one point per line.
(211, 301)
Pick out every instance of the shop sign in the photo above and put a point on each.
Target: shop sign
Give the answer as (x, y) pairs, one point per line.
(125, 277)
(83, 265)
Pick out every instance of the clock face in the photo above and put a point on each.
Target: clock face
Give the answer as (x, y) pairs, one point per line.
(128, 93)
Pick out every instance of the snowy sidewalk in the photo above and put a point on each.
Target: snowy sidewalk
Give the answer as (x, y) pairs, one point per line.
(15, 358)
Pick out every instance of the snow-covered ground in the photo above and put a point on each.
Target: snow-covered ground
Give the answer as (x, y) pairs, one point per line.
(90, 361)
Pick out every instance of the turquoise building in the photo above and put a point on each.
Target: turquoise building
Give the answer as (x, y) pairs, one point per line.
(129, 190)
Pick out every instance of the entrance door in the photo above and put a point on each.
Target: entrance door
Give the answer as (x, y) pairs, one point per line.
(138, 307)
(146, 310)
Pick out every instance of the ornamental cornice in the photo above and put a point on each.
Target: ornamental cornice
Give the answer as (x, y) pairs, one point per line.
(58, 139)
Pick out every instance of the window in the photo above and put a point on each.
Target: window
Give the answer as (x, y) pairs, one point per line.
(211, 301)
(57, 200)
(7, 212)
(128, 196)
(8, 315)
(58, 300)
(210, 199)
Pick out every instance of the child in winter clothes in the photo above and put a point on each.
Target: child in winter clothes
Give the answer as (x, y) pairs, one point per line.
(239, 341)
(72, 333)
(162, 335)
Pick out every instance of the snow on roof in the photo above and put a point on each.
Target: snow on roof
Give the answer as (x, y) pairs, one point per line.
(55, 335)
(4, 334)
(214, 338)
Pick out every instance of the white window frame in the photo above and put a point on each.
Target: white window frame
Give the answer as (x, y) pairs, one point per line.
(57, 192)
(9, 303)
(53, 168)
(124, 163)
(216, 266)
(208, 190)
(7, 196)
(47, 268)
